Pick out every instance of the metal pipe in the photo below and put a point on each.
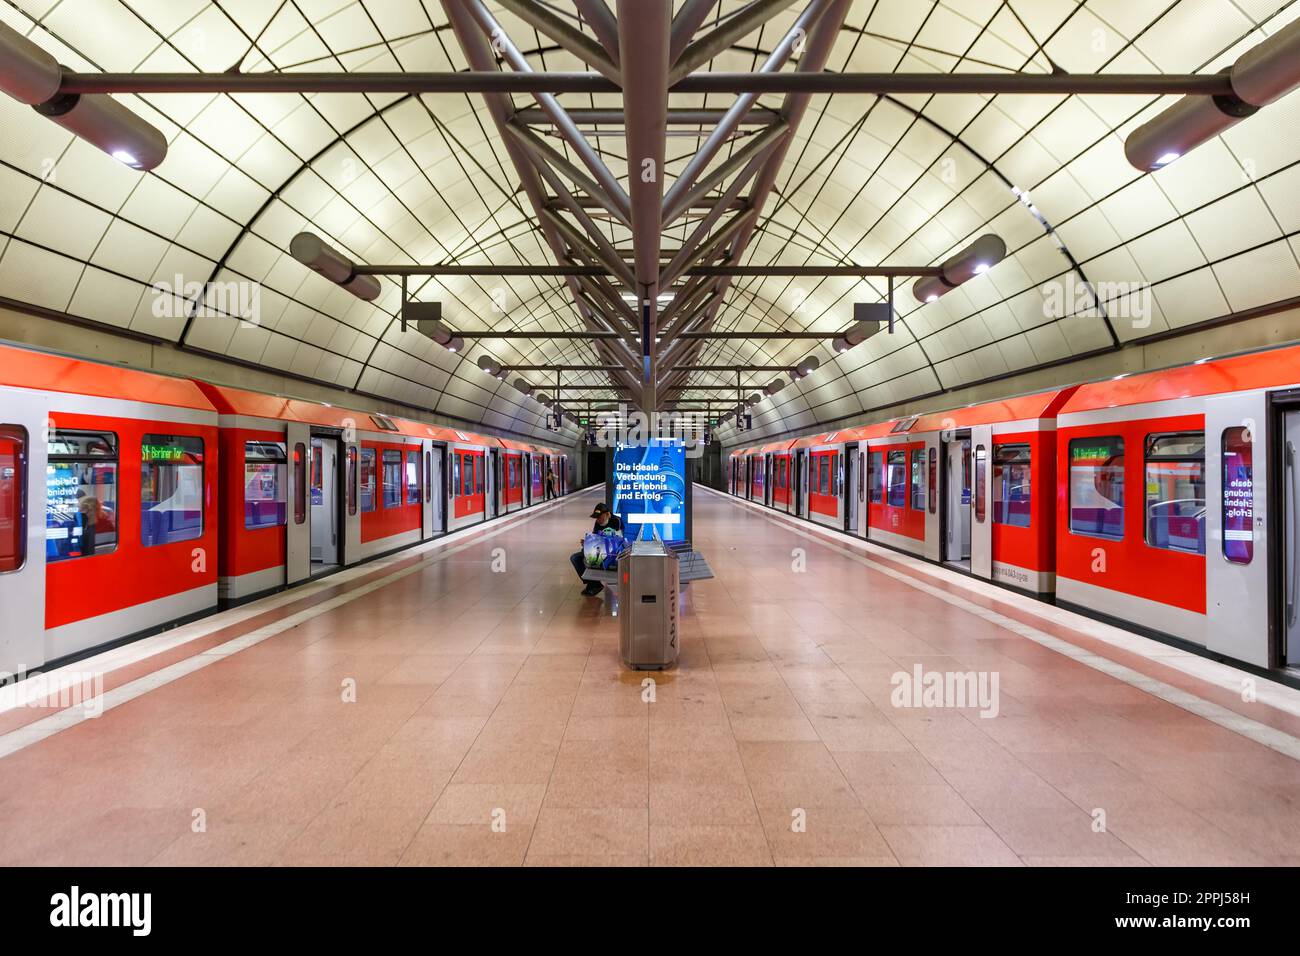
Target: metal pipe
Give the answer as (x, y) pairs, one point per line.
(574, 41)
(747, 20)
(587, 116)
(602, 22)
(808, 82)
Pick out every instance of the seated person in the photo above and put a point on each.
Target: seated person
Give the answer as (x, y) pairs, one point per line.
(606, 521)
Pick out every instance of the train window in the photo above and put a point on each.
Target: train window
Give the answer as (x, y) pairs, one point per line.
(896, 479)
(1238, 495)
(934, 480)
(1011, 487)
(981, 468)
(171, 489)
(918, 479)
(823, 475)
(412, 477)
(81, 495)
(392, 478)
(1175, 492)
(835, 472)
(352, 480)
(368, 479)
(13, 497)
(1097, 487)
(428, 473)
(455, 474)
(875, 487)
(265, 466)
(299, 484)
(467, 476)
(478, 474)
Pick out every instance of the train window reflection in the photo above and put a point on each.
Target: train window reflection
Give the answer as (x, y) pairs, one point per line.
(81, 495)
(896, 479)
(1175, 492)
(264, 484)
(1097, 487)
(392, 478)
(171, 489)
(368, 479)
(918, 479)
(1011, 485)
(1238, 496)
(13, 497)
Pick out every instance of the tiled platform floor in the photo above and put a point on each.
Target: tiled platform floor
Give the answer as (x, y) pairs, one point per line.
(493, 724)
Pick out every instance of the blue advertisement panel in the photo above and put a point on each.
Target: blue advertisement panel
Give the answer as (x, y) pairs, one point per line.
(649, 485)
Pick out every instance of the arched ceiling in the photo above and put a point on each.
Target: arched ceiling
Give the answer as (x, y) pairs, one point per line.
(866, 180)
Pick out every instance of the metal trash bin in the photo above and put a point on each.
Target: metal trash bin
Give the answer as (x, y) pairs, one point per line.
(648, 589)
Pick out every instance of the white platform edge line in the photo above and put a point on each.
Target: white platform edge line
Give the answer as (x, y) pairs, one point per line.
(146, 648)
(1270, 737)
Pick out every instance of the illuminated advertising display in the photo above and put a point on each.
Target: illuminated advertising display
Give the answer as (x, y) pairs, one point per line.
(649, 486)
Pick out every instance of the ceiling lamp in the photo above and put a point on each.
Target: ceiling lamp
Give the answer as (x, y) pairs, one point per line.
(805, 368)
(490, 365)
(1264, 73)
(774, 386)
(523, 385)
(427, 319)
(976, 259)
(313, 252)
(869, 318)
(32, 76)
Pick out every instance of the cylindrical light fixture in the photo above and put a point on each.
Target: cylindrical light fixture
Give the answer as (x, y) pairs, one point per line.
(523, 385)
(31, 75)
(457, 344)
(774, 386)
(543, 398)
(753, 400)
(313, 252)
(1264, 73)
(488, 364)
(805, 368)
(977, 258)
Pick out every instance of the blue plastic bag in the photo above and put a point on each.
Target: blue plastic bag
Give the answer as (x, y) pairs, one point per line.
(602, 550)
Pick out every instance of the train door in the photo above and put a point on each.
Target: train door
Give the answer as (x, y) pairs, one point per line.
(323, 488)
(351, 451)
(298, 531)
(491, 462)
(957, 502)
(852, 479)
(1236, 529)
(433, 521)
(23, 452)
(981, 538)
(1289, 633)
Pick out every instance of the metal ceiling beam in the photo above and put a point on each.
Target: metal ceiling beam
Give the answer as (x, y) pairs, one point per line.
(817, 48)
(754, 148)
(602, 23)
(571, 39)
(479, 56)
(730, 271)
(643, 35)
(744, 103)
(541, 151)
(547, 101)
(746, 21)
(612, 117)
(495, 81)
(689, 19)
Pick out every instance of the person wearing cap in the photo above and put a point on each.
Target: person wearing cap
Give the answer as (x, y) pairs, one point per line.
(605, 521)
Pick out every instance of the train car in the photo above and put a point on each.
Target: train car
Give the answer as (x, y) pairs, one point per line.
(1179, 504)
(309, 488)
(818, 466)
(108, 509)
(512, 482)
(782, 487)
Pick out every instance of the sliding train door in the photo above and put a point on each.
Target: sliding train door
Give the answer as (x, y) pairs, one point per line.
(23, 451)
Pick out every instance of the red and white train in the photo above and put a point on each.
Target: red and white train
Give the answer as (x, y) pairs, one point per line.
(166, 498)
(1167, 502)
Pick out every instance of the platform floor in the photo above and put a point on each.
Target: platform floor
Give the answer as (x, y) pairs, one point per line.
(493, 724)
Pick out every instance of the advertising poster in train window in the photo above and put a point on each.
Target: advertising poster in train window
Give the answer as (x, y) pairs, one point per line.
(649, 486)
